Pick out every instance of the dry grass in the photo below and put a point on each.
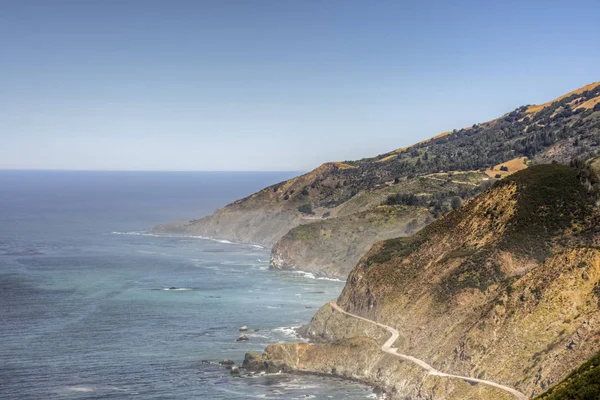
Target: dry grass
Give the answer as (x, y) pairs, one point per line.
(342, 165)
(514, 165)
(590, 103)
(388, 158)
(540, 107)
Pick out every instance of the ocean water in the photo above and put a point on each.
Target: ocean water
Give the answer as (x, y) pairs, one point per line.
(85, 310)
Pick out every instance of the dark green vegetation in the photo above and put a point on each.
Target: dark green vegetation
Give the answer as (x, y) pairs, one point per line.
(438, 202)
(306, 209)
(581, 384)
(550, 200)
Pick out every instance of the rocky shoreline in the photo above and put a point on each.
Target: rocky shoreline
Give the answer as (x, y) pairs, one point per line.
(349, 349)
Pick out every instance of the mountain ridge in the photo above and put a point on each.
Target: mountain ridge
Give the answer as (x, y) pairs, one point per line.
(558, 131)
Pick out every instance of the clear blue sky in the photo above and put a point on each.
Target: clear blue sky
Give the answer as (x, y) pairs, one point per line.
(271, 85)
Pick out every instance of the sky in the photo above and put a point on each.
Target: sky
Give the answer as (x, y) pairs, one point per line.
(271, 85)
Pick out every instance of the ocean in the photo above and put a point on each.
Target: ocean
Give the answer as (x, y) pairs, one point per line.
(85, 306)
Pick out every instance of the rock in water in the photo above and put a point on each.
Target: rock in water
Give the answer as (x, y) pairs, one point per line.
(243, 328)
(226, 362)
(253, 361)
(242, 338)
(235, 370)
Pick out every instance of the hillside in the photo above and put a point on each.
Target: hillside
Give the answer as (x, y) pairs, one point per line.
(553, 132)
(332, 247)
(504, 289)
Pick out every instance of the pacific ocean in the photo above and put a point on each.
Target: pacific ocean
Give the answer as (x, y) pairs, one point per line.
(85, 306)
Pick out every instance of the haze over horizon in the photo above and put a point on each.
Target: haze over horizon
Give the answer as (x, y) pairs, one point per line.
(231, 85)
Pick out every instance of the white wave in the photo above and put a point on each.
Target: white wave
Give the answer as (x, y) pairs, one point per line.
(330, 279)
(178, 289)
(273, 307)
(134, 234)
(310, 275)
(287, 330)
(83, 389)
(222, 241)
(305, 274)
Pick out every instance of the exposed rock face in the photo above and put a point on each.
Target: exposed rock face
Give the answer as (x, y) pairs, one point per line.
(506, 289)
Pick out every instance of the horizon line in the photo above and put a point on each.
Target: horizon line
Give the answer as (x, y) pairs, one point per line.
(139, 170)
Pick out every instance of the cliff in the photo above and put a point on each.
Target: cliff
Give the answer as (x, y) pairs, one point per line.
(503, 289)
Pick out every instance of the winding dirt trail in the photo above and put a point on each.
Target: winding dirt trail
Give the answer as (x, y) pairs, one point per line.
(387, 348)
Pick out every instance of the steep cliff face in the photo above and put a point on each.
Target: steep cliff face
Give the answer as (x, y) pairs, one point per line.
(506, 288)
(555, 131)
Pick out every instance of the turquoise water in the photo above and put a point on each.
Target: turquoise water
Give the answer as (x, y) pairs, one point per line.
(83, 301)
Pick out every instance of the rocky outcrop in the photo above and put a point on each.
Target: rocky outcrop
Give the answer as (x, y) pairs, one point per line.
(504, 289)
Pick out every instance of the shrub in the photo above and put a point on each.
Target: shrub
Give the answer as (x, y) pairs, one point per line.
(306, 209)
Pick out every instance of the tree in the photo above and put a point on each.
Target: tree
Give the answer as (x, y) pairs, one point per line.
(456, 202)
(504, 168)
(498, 176)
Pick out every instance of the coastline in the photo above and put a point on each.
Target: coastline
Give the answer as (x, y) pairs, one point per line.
(351, 350)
